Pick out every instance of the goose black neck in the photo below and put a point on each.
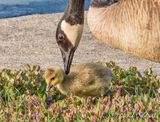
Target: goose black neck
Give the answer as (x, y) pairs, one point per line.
(74, 13)
(75, 6)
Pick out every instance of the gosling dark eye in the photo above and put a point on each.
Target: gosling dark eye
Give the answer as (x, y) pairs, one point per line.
(60, 38)
(53, 78)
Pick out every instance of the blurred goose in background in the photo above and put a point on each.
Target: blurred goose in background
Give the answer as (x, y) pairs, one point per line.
(89, 79)
(131, 25)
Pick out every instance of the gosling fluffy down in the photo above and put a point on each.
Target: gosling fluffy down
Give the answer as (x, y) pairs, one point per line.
(89, 79)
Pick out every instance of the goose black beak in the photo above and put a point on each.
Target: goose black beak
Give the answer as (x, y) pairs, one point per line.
(48, 87)
(67, 60)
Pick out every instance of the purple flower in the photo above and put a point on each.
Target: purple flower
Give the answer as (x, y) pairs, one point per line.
(104, 113)
(36, 73)
(36, 102)
(48, 100)
(23, 103)
(60, 111)
(140, 115)
(126, 110)
(120, 81)
(108, 106)
(35, 116)
(118, 91)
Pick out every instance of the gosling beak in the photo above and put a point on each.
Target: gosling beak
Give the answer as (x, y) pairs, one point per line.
(67, 60)
(48, 87)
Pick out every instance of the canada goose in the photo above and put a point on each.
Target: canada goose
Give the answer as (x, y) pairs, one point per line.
(69, 31)
(130, 25)
(89, 79)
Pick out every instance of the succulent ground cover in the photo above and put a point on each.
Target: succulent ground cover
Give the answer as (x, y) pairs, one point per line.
(132, 96)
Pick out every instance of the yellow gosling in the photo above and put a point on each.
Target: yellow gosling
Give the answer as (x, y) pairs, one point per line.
(89, 79)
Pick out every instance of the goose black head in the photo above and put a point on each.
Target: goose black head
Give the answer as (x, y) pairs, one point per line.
(69, 31)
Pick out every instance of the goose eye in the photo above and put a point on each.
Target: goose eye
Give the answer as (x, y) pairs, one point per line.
(60, 38)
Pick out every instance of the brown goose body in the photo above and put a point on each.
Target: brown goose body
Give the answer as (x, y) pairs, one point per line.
(131, 25)
(89, 79)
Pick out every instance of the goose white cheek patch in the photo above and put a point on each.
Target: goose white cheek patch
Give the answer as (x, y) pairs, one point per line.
(73, 32)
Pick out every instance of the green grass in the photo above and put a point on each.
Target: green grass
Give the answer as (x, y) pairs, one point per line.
(132, 97)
